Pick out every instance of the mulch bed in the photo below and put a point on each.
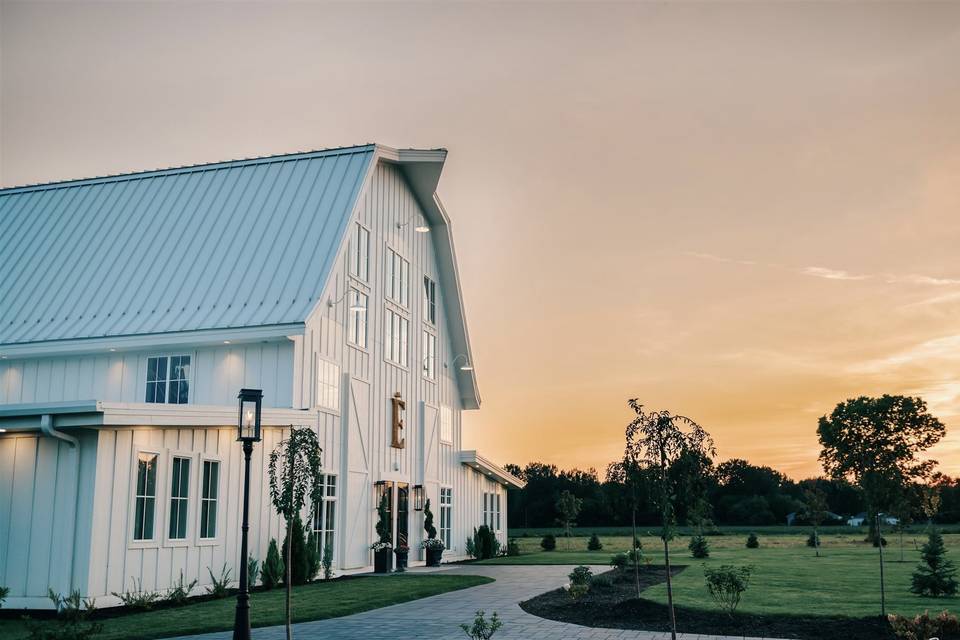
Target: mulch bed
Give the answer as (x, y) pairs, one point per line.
(617, 607)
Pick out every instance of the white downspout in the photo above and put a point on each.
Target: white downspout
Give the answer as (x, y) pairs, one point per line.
(46, 427)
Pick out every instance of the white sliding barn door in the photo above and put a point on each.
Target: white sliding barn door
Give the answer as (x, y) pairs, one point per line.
(356, 462)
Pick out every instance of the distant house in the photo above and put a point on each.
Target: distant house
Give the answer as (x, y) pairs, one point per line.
(861, 519)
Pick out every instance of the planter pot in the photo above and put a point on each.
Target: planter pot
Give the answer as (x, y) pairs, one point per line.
(433, 557)
(401, 560)
(383, 561)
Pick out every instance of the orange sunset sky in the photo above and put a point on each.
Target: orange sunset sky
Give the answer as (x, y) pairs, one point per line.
(741, 212)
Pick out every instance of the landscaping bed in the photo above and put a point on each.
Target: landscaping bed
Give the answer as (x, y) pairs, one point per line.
(615, 605)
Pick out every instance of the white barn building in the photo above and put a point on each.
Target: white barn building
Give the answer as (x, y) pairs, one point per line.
(133, 308)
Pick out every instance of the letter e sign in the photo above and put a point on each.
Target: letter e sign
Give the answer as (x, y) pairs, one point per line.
(399, 406)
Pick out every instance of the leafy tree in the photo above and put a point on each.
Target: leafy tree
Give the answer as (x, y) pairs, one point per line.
(658, 439)
(294, 477)
(936, 575)
(273, 569)
(901, 507)
(930, 499)
(876, 442)
(815, 512)
(568, 506)
(727, 584)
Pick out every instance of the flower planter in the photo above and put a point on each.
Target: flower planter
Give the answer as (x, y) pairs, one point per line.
(383, 561)
(401, 560)
(433, 557)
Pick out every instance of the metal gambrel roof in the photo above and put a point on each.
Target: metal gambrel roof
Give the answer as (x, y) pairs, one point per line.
(228, 245)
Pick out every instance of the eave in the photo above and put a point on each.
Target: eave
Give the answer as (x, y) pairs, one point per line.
(495, 472)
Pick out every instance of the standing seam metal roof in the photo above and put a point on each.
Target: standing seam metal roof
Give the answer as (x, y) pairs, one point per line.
(227, 245)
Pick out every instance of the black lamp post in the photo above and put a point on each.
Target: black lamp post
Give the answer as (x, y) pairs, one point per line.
(248, 432)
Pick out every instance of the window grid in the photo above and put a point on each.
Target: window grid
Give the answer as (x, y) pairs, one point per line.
(429, 301)
(446, 425)
(491, 510)
(328, 385)
(429, 355)
(397, 329)
(325, 516)
(146, 496)
(179, 497)
(208, 501)
(360, 257)
(168, 379)
(357, 332)
(446, 515)
(398, 270)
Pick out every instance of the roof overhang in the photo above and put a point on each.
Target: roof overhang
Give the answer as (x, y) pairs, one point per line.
(495, 472)
(197, 338)
(422, 169)
(97, 413)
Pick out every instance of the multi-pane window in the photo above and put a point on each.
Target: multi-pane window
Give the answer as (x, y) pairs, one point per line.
(491, 510)
(168, 379)
(179, 497)
(325, 515)
(429, 355)
(398, 270)
(397, 330)
(360, 253)
(497, 512)
(357, 331)
(446, 515)
(446, 424)
(210, 489)
(429, 301)
(146, 497)
(328, 385)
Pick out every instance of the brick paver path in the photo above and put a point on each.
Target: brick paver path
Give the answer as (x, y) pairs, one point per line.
(438, 617)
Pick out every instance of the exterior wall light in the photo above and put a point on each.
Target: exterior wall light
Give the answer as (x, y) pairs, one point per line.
(418, 497)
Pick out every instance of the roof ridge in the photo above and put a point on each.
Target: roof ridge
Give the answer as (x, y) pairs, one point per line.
(202, 166)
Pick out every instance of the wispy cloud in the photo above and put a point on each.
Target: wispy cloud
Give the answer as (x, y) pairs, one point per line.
(715, 258)
(929, 352)
(832, 274)
(922, 280)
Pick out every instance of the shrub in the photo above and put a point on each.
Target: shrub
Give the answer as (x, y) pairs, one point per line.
(699, 547)
(619, 561)
(813, 540)
(71, 623)
(549, 542)
(471, 546)
(752, 541)
(428, 521)
(180, 591)
(313, 558)
(4, 592)
(485, 543)
(936, 574)
(327, 562)
(253, 570)
(594, 543)
(580, 575)
(727, 584)
(577, 591)
(272, 573)
(636, 557)
(922, 627)
(219, 587)
(137, 598)
(481, 628)
(513, 549)
(299, 562)
(601, 582)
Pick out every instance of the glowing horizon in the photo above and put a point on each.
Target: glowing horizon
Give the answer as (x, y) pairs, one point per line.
(742, 213)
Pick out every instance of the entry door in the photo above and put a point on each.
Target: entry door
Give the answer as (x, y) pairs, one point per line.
(403, 514)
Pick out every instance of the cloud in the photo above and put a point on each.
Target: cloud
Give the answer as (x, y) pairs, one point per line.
(922, 280)
(831, 274)
(715, 258)
(945, 348)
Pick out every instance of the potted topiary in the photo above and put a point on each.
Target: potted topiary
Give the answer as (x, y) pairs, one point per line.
(432, 545)
(402, 552)
(382, 548)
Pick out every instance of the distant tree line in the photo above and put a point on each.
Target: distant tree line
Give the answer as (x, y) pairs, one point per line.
(739, 493)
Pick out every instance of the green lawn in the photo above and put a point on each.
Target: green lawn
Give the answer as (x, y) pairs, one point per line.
(787, 578)
(315, 601)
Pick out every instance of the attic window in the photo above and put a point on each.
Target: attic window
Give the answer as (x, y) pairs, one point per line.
(168, 379)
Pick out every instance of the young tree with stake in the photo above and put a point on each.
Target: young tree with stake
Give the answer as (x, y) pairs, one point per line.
(294, 476)
(815, 510)
(568, 506)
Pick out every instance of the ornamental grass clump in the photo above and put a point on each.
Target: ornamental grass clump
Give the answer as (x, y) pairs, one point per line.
(72, 621)
(936, 575)
(727, 584)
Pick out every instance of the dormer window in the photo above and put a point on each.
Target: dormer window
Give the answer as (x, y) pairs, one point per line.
(168, 380)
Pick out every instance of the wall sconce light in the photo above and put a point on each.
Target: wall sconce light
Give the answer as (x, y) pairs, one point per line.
(466, 366)
(418, 497)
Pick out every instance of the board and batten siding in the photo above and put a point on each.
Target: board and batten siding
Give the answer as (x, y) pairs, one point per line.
(217, 373)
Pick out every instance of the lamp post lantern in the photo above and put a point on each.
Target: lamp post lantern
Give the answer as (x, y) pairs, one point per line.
(248, 432)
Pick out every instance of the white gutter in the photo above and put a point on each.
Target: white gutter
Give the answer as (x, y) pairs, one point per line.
(46, 427)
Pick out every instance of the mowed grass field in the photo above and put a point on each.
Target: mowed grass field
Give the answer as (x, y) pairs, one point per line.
(787, 578)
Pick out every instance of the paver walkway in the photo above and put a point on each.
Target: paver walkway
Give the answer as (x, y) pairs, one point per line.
(439, 617)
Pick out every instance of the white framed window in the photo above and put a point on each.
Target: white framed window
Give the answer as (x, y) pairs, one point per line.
(328, 385)
(446, 425)
(397, 331)
(398, 272)
(446, 515)
(429, 301)
(497, 511)
(357, 331)
(491, 510)
(360, 253)
(209, 498)
(168, 379)
(325, 515)
(429, 355)
(179, 498)
(145, 497)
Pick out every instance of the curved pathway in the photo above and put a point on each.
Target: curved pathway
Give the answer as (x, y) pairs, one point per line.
(439, 617)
